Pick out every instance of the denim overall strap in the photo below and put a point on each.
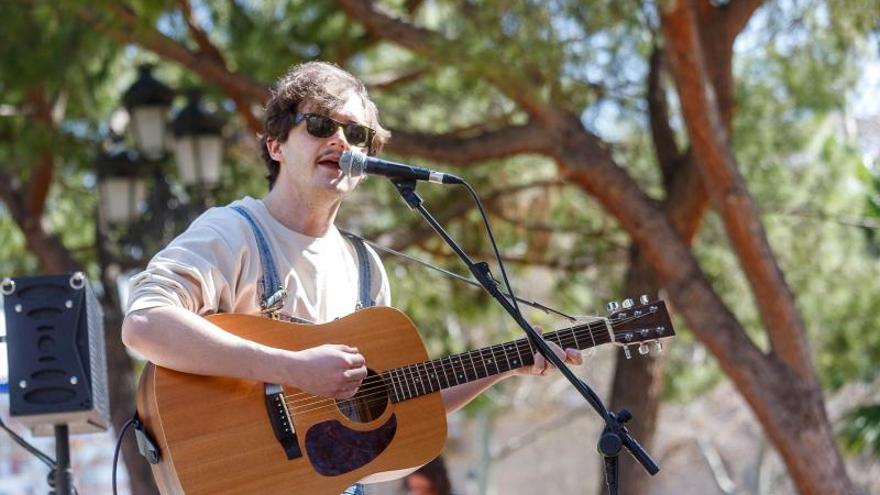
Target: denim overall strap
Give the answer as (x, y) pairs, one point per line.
(272, 300)
(365, 272)
(272, 292)
(357, 489)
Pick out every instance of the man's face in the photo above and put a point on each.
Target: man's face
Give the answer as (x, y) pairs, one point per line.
(309, 164)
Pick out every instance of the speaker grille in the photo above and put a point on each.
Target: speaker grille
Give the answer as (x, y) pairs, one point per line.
(55, 345)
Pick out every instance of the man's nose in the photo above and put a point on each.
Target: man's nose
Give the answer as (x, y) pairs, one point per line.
(339, 136)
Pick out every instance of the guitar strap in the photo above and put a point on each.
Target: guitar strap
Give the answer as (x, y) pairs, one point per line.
(273, 294)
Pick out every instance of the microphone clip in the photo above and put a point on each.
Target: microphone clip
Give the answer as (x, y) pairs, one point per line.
(407, 189)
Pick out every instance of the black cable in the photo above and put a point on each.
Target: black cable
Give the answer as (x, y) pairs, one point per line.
(534, 304)
(27, 446)
(42, 456)
(119, 447)
(479, 203)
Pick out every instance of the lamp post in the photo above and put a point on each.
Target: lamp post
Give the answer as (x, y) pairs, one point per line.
(146, 213)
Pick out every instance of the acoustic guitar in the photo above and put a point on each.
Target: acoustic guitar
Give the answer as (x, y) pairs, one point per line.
(228, 436)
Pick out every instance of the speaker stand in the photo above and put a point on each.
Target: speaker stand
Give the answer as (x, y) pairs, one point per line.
(63, 471)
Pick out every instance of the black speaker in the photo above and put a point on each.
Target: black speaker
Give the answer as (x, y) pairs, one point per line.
(55, 346)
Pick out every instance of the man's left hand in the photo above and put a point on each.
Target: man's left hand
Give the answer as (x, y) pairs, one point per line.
(542, 367)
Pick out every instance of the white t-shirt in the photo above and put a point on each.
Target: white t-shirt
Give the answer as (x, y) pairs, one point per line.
(214, 267)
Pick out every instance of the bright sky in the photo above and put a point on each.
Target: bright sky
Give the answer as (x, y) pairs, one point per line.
(866, 101)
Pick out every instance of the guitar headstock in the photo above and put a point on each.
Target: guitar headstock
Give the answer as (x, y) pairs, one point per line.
(640, 324)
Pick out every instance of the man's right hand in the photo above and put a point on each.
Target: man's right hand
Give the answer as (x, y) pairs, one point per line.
(329, 370)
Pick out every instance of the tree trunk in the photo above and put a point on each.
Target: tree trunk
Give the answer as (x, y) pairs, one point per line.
(637, 386)
(781, 385)
(120, 374)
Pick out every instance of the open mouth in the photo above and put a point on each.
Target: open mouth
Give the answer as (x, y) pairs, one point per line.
(330, 162)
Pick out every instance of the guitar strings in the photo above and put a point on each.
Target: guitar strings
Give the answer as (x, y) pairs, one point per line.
(380, 384)
(377, 385)
(409, 373)
(497, 351)
(367, 400)
(374, 397)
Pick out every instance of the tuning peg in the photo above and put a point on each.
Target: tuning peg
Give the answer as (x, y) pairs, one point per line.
(627, 303)
(612, 306)
(626, 352)
(643, 299)
(643, 349)
(658, 346)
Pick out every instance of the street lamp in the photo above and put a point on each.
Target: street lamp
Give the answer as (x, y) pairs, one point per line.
(121, 184)
(137, 218)
(198, 143)
(148, 102)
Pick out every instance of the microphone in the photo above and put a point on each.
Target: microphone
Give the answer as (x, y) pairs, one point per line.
(355, 164)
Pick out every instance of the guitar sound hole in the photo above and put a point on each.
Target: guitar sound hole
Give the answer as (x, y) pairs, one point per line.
(369, 402)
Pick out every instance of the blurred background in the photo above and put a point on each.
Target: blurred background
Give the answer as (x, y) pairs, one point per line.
(724, 155)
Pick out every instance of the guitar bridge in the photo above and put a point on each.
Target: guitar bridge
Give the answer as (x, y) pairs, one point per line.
(282, 423)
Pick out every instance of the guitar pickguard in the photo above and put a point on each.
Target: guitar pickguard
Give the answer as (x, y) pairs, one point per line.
(335, 449)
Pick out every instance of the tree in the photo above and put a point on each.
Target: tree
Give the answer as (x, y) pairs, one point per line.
(519, 84)
(780, 385)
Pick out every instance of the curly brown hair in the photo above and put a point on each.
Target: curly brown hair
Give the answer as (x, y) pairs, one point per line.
(325, 87)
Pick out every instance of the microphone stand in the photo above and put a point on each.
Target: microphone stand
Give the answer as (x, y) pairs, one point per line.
(63, 475)
(615, 435)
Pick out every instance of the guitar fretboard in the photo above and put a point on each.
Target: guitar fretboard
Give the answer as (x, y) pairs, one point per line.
(418, 379)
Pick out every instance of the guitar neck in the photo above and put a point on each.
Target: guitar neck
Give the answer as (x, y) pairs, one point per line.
(409, 382)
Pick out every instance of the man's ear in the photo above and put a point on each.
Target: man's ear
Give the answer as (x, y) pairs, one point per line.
(275, 151)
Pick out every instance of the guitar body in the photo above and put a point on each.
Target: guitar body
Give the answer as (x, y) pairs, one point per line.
(215, 435)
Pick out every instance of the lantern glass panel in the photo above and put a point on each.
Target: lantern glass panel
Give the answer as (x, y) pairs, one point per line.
(198, 159)
(148, 126)
(122, 198)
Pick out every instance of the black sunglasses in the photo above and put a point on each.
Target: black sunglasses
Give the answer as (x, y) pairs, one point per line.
(323, 127)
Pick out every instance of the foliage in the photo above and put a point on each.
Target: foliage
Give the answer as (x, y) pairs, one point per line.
(861, 429)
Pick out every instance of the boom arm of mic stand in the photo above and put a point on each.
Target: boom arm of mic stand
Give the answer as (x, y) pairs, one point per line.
(614, 423)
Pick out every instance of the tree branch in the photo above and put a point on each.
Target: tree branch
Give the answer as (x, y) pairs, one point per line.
(410, 235)
(48, 249)
(665, 147)
(728, 191)
(41, 178)
(380, 82)
(435, 47)
(239, 88)
(739, 12)
(207, 48)
(462, 151)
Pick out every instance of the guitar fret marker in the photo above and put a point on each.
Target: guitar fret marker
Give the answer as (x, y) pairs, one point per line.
(408, 379)
(473, 365)
(419, 380)
(509, 367)
(452, 368)
(445, 377)
(460, 360)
